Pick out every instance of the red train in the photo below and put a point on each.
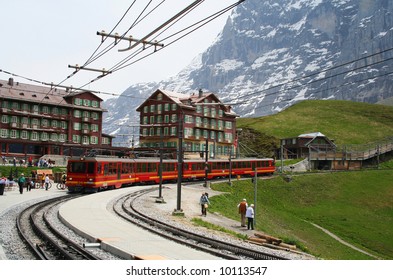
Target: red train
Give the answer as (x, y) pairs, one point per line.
(91, 174)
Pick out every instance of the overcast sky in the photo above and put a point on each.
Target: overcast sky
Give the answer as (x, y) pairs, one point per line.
(41, 38)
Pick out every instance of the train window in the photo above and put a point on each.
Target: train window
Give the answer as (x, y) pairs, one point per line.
(99, 170)
(90, 167)
(106, 169)
(77, 167)
(152, 167)
(112, 168)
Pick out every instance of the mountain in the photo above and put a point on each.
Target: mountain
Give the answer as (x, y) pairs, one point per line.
(272, 54)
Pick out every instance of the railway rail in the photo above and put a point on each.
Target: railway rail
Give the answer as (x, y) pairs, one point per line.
(124, 208)
(43, 239)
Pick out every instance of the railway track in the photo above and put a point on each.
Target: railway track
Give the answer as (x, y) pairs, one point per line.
(124, 208)
(42, 237)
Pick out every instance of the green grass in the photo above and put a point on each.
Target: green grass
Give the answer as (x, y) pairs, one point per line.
(202, 223)
(355, 206)
(343, 121)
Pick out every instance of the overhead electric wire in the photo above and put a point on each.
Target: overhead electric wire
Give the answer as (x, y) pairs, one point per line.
(121, 65)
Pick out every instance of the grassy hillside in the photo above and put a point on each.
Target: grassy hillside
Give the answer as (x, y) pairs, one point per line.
(346, 122)
(355, 206)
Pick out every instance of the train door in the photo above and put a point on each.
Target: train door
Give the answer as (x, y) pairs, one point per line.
(119, 170)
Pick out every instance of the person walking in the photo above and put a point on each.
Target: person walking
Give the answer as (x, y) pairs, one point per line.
(242, 206)
(46, 182)
(250, 217)
(204, 202)
(21, 182)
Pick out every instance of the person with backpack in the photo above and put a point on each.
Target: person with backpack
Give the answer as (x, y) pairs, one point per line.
(204, 202)
(242, 206)
(21, 182)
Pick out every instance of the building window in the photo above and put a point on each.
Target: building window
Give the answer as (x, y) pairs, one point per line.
(13, 134)
(77, 126)
(151, 119)
(55, 111)
(174, 118)
(35, 109)
(86, 114)
(45, 109)
(14, 119)
(34, 136)
(77, 114)
(151, 133)
(4, 133)
(166, 118)
(94, 115)
(78, 101)
(145, 109)
(4, 104)
(152, 108)
(85, 140)
(44, 136)
(159, 119)
(15, 105)
(174, 107)
(44, 123)
(166, 107)
(188, 119)
(144, 132)
(25, 107)
(54, 124)
(86, 102)
(94, 103)
(76, 139)
(166, 131)
(94, 140)
(173, 130)
(159, 96)
(105, 140)
(63, 125)
(54, 137)
(228, 125)
(199, 109)
(4, 119)
(94, 127)
(62, 137)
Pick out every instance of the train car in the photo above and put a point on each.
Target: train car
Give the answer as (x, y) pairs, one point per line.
(92, 174)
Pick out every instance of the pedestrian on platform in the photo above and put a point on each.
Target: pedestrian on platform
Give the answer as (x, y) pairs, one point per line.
(21, 182)
(46, 182)
(250, 217)
(28, 184)
(242, 206)
(204, 202)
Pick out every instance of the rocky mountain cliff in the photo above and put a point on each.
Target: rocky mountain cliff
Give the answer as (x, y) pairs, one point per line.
(272, 54)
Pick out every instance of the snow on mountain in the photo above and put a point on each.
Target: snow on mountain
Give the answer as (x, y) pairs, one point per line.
(271, 54)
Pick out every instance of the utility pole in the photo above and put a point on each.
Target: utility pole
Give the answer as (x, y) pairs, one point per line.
(178, 211)
(255, 195)
(160, 198)
(206, 161)
(230, 167)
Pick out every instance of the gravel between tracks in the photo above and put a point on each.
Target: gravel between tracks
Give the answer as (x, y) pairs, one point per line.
(190, 205)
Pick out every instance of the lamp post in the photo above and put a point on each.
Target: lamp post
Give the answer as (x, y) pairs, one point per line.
(178, 211)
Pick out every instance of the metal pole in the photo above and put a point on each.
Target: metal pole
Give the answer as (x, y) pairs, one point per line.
(160, 199)
(206, 160)
(180, 165)
(255, 196)
(230, 166)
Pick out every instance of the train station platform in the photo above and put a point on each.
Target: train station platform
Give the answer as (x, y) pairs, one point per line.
(12, 198)
(90, 217)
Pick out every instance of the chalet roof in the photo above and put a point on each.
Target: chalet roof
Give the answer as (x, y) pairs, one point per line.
(181, 100)
(36, 94)
(314, 135)
(311, 135)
